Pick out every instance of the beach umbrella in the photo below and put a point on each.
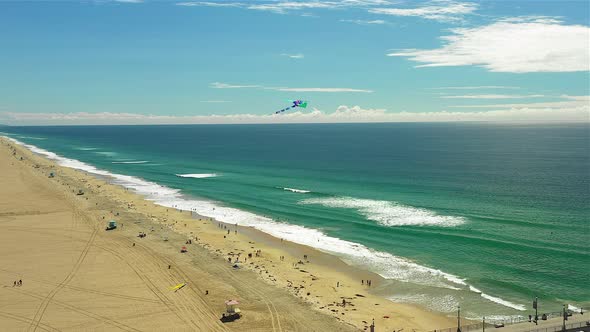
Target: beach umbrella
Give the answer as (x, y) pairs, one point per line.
(232, 302)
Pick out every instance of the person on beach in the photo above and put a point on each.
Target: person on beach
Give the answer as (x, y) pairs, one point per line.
(362, 282)
(14, 284)
(20, 282)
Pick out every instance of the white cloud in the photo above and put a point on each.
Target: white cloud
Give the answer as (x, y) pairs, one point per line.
(209, 4)
(441, 10)
(294, 56)
(569, 102)
(218, 85)
(367, 2)
(283, 7)
(365, 22)
(322, 90)
(577, 109)
(493, 96)
(517, 45)
(481, 87)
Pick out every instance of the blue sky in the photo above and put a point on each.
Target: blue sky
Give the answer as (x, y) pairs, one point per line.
(183, 61)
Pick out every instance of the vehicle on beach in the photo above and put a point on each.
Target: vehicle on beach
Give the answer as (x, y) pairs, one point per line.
(111, 225)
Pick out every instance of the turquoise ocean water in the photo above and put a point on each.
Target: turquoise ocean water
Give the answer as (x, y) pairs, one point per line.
(485, 216)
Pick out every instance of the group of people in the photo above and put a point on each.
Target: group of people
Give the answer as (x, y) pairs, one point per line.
(368, 282)
(17, 283)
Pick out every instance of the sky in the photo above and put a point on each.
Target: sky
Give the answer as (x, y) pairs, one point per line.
(142, 62)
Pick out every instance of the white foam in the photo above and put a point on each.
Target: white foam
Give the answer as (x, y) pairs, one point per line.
(198, 176)
(573, 308)
(504, 302)
(475, 290)
(445, 303)
(30, 137)
(106, 153)
(131, 162)
(388, 213)
(86, 149)
(299, 191)
(385, 264)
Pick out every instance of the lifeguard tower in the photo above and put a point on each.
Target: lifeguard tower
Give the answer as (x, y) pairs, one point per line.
(232, 312)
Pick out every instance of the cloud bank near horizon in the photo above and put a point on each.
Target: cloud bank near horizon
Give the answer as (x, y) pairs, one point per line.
(575, 109)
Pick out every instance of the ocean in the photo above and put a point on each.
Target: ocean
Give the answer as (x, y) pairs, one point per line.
(478, 215)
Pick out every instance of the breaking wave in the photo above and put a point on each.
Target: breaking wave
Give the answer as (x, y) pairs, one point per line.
(106, 153)
(198, 176)
(444, 303)
(131, 162)
(86, 149)
(299, 191)
(31, 137)
(388, 213)
(503, 302)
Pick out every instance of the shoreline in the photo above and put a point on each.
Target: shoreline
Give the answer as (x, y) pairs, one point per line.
(392, 268)
(327, 269)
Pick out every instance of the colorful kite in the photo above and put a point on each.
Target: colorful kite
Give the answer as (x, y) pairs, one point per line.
(296, 103)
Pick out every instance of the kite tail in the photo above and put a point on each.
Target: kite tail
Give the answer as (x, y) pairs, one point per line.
(283, 110)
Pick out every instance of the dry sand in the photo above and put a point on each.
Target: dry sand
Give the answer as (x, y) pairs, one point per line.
(77, 276)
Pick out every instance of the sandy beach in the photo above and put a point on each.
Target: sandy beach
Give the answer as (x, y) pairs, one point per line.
(78, 276)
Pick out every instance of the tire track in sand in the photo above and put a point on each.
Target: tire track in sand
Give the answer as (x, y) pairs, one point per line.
(24, 319)
(45, 303)
(197, 316)
(84, 312)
